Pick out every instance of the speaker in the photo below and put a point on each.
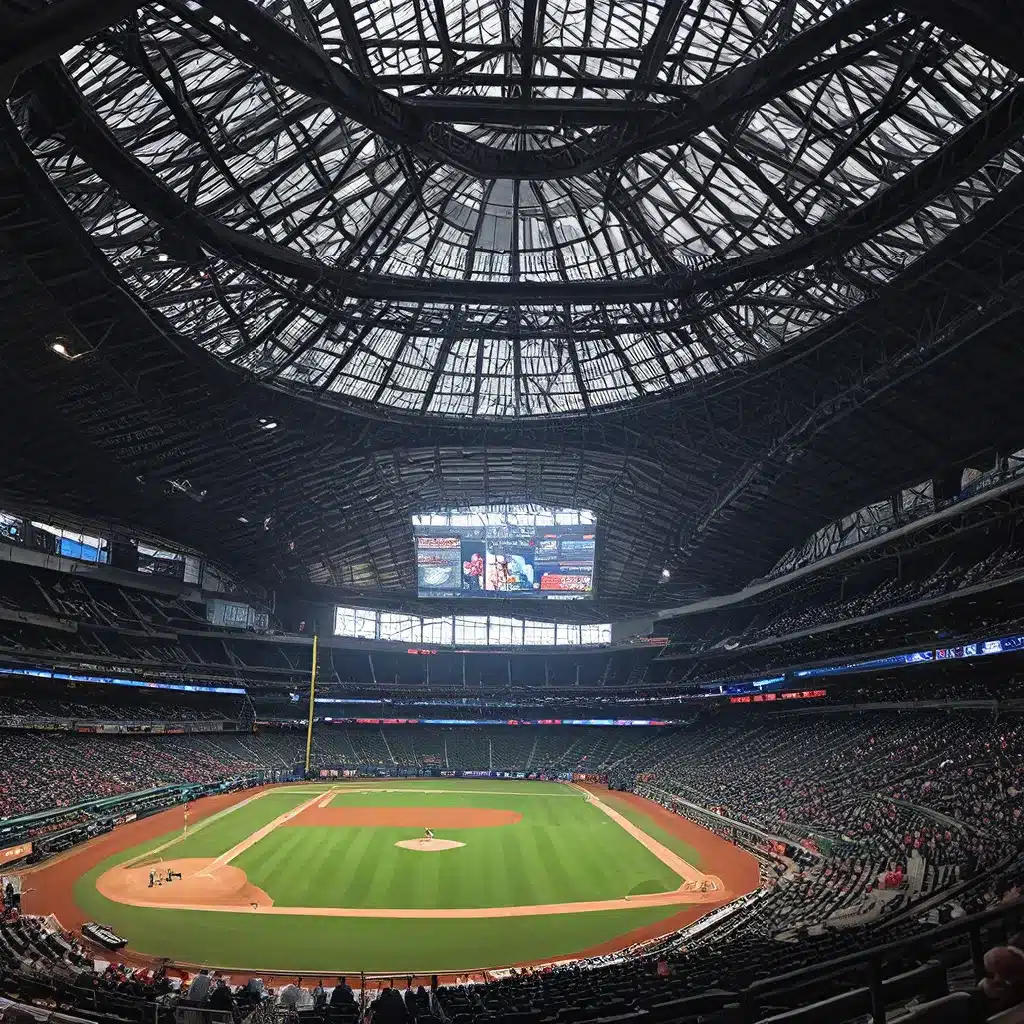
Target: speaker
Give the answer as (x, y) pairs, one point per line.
(41, 540)
(124, 555)
(947, 486)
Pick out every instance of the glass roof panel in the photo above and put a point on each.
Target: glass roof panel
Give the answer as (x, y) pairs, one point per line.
(340, 227)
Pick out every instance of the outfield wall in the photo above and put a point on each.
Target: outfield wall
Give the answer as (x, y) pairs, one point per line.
(332, 772)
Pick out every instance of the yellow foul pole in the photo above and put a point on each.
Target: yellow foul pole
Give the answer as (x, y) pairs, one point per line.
(312, 700)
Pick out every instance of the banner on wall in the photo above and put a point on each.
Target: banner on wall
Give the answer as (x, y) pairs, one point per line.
(399, 772)
(13, 853)
(140, 728)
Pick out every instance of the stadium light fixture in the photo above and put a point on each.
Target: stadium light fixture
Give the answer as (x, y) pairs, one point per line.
(59, 347)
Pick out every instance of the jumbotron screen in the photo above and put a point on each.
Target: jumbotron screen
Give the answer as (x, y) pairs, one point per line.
(516, 552)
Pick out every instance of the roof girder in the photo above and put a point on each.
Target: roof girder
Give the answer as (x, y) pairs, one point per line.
(988, 135)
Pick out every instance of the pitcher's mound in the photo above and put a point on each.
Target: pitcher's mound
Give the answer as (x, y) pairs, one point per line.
(428, 845)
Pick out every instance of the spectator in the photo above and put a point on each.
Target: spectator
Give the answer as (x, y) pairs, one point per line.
(221, 998)
(200, 987)
(342, 994)
(292, 995)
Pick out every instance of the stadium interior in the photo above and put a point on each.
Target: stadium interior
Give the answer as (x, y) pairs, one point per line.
(619, 394)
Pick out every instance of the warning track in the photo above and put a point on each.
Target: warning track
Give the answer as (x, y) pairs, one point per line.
(51, 888)
(215, 885)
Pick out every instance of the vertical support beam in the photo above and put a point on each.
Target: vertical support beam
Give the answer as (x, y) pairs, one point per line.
(312, 699)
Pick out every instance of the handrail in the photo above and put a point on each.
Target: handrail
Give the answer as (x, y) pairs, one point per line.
(754, 830)
(750, 997)
(873, 958)
(109, 804)
(100, 803)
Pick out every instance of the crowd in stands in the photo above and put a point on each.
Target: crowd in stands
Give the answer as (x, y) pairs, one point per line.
(41, 771)
(959, 687)
(140, 708)
(944, 783)
(665, 983)
(880, 811)
(119, 625)
(892, 593)
(888, 780)
(794, 615)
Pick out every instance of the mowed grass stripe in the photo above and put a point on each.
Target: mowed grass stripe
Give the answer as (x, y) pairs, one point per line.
(644, 821)
(346, 945)
(525, 805)
(215, 837)
(347, 860)
(357, 867)
(384, 888)
(517, 865)
(562, 851)
(281, 855)
(367, 793)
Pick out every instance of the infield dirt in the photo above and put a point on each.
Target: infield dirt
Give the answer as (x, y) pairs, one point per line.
(404, 817)
(51, 885)
(215, 885)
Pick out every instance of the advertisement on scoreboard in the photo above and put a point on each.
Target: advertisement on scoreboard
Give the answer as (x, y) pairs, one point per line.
(486, 561)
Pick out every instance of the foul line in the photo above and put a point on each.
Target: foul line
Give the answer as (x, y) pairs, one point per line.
(262, 833)
(686, 871)
(198, 827)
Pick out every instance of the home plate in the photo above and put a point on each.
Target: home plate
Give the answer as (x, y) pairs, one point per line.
(428, 845)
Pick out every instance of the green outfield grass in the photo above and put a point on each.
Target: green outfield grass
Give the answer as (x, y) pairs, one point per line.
(562, 850)
(214, 836)
(644, 821)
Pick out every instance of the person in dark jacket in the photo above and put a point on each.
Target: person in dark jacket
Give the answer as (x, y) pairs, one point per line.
(341, 994)
(220, 998)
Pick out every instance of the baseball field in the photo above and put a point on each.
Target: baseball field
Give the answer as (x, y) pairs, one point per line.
(418, 875)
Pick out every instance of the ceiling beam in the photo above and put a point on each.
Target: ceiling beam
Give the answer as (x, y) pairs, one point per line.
(995, 27)
(253, 35)
(49, 31)
(539, 111)
(995, 129)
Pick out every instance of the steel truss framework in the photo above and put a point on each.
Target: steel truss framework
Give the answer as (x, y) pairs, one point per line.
(136, 414)
(146, 429)
(980, 528)
(524, 208)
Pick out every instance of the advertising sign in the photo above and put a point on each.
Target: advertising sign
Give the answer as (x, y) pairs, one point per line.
(13, 853)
